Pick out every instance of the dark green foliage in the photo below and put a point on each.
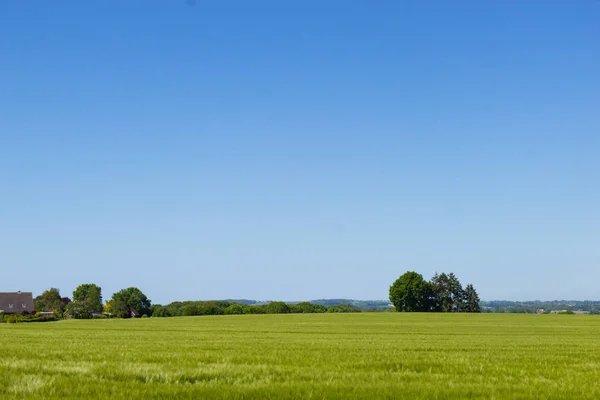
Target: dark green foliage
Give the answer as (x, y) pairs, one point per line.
(444, 293)
(260, 309)
(130, 302)
(50, 301)
(236, 309)
(449, 294)
(471, 300)
(342, 308)
(411, 292)
(78, 310)
(277, 307)
(192, 308)
(307, 308)
(16, 318)
(160, 311)
(89, 295)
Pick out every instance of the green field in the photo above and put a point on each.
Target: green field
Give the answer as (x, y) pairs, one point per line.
(333, 356)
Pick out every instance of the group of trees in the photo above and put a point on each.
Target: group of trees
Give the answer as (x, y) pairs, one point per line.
(410, 292)
(188, 308)
(87, 303)
(443, 293)
(51, 301)
(131, 302)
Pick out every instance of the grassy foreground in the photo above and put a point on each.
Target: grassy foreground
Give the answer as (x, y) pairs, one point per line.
(333, 356)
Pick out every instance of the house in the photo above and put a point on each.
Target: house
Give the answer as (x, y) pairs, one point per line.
(16, 302)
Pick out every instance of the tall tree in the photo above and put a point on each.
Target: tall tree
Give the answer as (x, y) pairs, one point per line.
(442, 288)
(449, 293)
(128, 302)
(411, 292)
(457, 292)
(50, 301)
(471, 300)
(90, 296)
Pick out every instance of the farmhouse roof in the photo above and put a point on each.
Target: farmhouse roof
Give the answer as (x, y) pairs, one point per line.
(16, 302)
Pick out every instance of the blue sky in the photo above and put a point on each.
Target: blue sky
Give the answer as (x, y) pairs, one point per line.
(300, 150)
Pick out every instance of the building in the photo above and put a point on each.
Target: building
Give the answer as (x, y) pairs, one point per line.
(16, 302)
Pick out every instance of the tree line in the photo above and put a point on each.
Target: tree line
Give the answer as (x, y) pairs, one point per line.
(87, 303)
(410, 292)
(189, 308)
(132, 302)
(443, 293)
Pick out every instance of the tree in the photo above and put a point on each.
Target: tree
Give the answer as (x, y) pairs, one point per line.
(78, 310)
(342, 308)
(160, 311)
(235, 308)
(449, 293)
(277, 307)
(457, 292)
(129, 302)
(190, 309)
(50, 301)
(442, 292)
(411, 292)
(306, 308)
(108, 307)
(471, 300)
(90, 295)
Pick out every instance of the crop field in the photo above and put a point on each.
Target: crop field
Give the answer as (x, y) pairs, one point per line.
(319, 356)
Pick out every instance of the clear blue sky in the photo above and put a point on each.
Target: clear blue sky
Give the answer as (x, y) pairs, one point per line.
(300, 150)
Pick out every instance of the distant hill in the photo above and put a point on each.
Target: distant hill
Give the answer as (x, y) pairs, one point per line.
(362, 304)
(242, 301)
(536, 306)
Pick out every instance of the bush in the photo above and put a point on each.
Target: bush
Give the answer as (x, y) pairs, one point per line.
(235, 309)
(307, 308)
(78, 310)
(160, 311)
(17, 318)
(277, 307)
(342, 308)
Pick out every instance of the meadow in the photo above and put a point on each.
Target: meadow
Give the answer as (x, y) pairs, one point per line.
(318, 356)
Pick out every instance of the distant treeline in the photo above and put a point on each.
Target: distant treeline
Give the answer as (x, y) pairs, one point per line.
(191, 308)
(364, 305)
(532, 307)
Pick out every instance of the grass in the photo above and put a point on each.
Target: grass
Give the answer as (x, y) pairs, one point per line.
(319, 356)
